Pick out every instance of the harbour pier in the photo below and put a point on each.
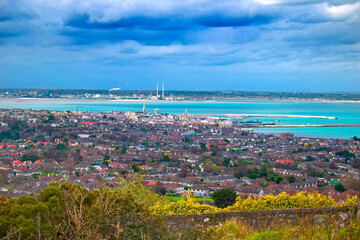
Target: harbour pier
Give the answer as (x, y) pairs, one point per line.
(301, 125)
(244, 116)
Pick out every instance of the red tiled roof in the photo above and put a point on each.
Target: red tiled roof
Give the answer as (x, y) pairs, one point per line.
(172, 185)
(284, 161)
(151, 183)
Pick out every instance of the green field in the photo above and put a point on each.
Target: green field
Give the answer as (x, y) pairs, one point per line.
(178, 198)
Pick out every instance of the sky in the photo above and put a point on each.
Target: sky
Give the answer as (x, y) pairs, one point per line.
(260, 45)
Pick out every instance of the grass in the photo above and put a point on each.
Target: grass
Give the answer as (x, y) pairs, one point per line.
(178, 198)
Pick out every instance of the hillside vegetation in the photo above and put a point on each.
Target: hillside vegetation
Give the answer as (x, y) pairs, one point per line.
(232, 230)
(69, 211)
(281, 201)
(131, 211)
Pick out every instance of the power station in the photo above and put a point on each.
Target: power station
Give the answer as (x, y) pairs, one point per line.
(162, 96)
(158, 96)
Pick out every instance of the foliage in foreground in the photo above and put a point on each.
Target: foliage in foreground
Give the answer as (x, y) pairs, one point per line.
(281, 201)
(284, 201)
(130, 211)
(224, 198)
(68, 211)
(184, 206)
(232, 230)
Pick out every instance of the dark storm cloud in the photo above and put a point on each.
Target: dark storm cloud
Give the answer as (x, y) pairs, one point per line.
(8, 34)
(154, 30)
(168, 23)
(218, 20)
(143, 22)
(14, 17)
(9, 30)
(14, 10)
(243, 37)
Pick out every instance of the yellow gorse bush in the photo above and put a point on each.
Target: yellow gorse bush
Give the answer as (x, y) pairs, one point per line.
(184, 206)
(284, 201)
(281, 201)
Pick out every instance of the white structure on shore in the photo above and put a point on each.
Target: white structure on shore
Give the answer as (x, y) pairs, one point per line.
(157, 90)
(157, 97)
(163, 94)
(113, 89)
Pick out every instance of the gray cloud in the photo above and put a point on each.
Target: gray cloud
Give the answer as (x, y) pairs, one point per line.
(15, 10)
(276, 36)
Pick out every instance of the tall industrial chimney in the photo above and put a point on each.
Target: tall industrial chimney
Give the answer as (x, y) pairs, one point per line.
(163, 95)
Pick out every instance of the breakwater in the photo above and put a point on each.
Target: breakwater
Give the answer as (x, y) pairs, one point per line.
(300, 125)
(243, 116)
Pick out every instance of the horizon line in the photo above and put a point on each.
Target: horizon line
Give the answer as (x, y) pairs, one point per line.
(183, 90)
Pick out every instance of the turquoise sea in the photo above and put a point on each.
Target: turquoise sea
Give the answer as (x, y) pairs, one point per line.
(347, 113)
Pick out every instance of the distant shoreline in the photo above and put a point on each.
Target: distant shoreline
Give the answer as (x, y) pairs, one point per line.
(176, 101)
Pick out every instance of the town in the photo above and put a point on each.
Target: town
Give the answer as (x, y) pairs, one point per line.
(177, 154)
(174, 95)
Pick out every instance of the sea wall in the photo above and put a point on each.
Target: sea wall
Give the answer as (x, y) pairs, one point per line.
(264, 218)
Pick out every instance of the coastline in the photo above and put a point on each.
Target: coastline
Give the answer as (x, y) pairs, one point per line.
(255, 100)
(289, 113)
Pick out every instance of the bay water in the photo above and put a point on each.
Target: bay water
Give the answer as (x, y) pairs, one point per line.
(346, 112)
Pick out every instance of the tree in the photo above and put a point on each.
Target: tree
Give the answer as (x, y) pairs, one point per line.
(136, 168)
(241, 171)
(61, 146)
(291, 179)
(355, 163)
(333, 165)
(29, 157)
(3, 177)
(69, 211)
(351, 182)
(123, 149)
(224, 198)
(314, 172)
(165, 158)
(183, 172)
(159, 189)
(345, 154)
(339, 187)
(226, 162)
